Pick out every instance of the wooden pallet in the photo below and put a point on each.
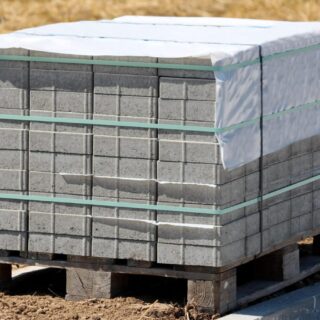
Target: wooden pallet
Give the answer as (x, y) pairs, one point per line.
(213, 290)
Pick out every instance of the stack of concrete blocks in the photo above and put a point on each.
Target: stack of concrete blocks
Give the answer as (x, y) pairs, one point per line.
(124, 161)
(13, 152)
(60, 157)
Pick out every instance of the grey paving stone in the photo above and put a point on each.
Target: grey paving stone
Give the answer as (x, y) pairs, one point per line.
(123, 223)
(123, 249)
(301, 147)
(11, 240)
(126, 70)
(301, 168)
(125, 131)
(253, 245)
(13, 220)
(78, 102)
(62, 80)
(275, 235)
(199, 173)
(192, 110)
(125, 147)
(189, 151)
(187, 88)
(15, 180)
(186, 73)
(13, 98)
(13, 78)
(276, 176)
(124, 177)
(59, 244)
(302, 224)
(126, 106)
(61, 142)
(60, 183)
(200, 255)
(60, 162)
(186, 135)
(13, 159)
(276, 214)
(124, 84)
(279, 156)
(11, 124)
(220, 195)
(13, 205)
(14, 64)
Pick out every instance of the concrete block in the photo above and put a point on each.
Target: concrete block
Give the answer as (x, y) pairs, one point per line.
(218, 235)
(301, 205)
(7, 124)
(13, 220)
(186, 73)
(123, 223)
(125, 85)
(252, 185)
(59, 244)
(199, 173)
(126, 106)
(316, 162)
(59, 66)
(123, 249)
(316, 218)
(13, 205)
(282, 155)
(78, 102)
(61, 80)
(13, 159)
(276, 235)
(15, 180)
(186, 135)
(200, 255)
(189, 151)
(12, 240)
(253, 245)
(123, 131)
(276, 176)
(315, 143)
(126, 70)
(192, 110)
(275, 214)
(72, 128)
(301, 168)
(187, 88)
(13, 78)
(302, 224)
(13, 98)
(59, 183)
(301, 147)
(125, 147)
(59, 162)
(220, 195)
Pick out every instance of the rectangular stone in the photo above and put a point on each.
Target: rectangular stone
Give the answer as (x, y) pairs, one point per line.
(187, 88)
(13, 98)
(13, 78)
(276, 235)
(59, 244)
(125, 147)
(126, 106)
(189, 151)
(61, 80)
(123, 249)
(12, 124)
(12, 240)
(13, 220)
(78, 102)
(124, 223)
(15, 180)
(13, 159)
(199, 173)
(193, 110)
(125, 85)
(59, 183)
(60, 163)
(60, 142)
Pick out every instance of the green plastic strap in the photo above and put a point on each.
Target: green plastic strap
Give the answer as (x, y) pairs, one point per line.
(176, 209)
(172, 127)
(136, 64)
(90, 122)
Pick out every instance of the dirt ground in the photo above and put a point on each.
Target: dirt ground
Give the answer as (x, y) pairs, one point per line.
(40, 296)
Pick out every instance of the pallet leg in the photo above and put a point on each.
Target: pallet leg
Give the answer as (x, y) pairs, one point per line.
(280, 265)
(217, 296)
(316, 245)
(5, 275)
(86, 284)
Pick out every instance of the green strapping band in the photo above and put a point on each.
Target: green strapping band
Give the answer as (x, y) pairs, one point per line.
(176, 209)
(137, 64)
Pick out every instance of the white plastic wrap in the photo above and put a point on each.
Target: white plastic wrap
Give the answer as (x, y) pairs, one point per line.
(288, 81)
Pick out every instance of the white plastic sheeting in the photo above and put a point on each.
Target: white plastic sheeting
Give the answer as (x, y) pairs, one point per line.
(289, 80)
